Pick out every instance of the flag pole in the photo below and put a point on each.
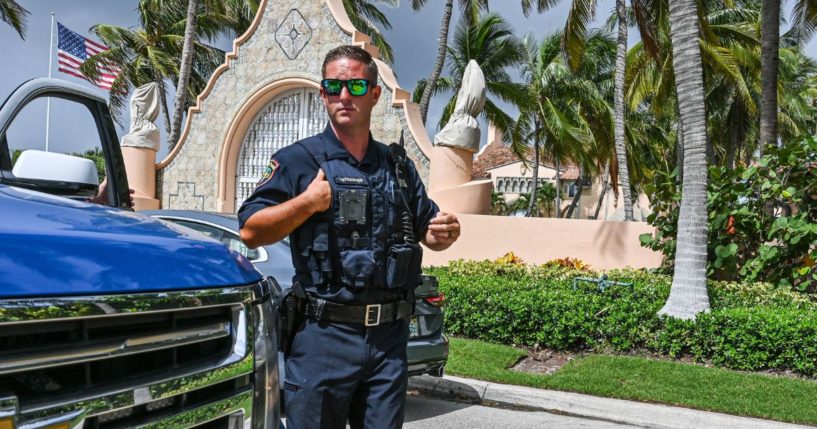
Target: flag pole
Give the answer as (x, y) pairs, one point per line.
(50, 64)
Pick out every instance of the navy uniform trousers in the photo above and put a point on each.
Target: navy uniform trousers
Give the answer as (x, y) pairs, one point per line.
(340, 371)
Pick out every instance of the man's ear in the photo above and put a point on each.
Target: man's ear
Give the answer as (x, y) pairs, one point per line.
(376, 93)
(323, 96)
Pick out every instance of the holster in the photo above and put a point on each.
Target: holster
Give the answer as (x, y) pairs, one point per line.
(292, 311)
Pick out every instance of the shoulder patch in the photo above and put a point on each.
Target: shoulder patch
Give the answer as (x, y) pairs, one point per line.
(269, 171)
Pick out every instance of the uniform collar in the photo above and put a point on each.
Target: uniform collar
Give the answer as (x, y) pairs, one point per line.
(335, 149)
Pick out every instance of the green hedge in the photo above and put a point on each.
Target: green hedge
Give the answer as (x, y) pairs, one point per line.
(750, 327)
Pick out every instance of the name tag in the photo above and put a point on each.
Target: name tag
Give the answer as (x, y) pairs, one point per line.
(350, 181)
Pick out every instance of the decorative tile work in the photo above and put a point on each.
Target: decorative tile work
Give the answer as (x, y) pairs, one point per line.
(293, 34)
(185, 197)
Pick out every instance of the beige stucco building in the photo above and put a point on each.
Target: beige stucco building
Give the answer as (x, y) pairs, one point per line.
(513, 178)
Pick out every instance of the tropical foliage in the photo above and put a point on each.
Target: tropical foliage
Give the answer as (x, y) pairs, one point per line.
(492, 44)
(762, 219)
(470, 10)
(152, 52)
(14, 15)
(367, 18)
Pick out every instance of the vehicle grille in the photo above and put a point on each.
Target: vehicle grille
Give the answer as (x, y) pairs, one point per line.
(108, 351)
(120, 360)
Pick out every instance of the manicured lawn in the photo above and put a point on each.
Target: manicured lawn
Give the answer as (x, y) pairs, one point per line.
(648, 380)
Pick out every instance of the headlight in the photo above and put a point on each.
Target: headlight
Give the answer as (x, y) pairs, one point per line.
(266, 403)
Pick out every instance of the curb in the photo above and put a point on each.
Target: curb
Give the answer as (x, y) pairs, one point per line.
(632, 413)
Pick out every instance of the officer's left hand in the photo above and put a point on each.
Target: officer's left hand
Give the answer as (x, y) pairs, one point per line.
(443, 231)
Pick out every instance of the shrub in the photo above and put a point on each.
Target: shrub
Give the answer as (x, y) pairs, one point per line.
(751, 326)
(762, 219)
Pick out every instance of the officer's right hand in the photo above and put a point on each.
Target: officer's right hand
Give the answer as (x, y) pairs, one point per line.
(320, 192)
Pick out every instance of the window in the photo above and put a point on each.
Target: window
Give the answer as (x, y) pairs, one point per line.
(229, 239)
(70, 129)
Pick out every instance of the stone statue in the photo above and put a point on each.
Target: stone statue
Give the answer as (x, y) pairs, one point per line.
(144, 109)
(462, 130)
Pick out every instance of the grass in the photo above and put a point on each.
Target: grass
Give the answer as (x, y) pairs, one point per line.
(648, 380)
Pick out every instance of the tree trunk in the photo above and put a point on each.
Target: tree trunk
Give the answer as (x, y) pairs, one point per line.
(163, 95)
(769, 59)
(688, 295)
(605, 184)
(431, 83)
(578, 196)
(558, 190)
(679, 150)
(621, 146)
(735, 127)
(532, 202)
(184, 72)
(710, 152)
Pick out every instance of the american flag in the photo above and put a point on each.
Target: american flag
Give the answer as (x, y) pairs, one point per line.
(73, 50)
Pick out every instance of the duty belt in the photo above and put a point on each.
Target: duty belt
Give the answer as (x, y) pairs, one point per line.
(368, 315)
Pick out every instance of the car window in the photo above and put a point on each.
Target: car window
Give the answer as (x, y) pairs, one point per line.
(83, 140)
(229, 239)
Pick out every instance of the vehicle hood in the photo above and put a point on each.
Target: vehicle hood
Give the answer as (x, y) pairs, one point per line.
(53, 246)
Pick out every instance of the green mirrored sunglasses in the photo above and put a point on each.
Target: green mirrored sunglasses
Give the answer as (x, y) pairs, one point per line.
(356, 87)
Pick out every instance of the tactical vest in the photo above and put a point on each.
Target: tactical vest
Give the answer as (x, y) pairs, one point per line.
(360, 241)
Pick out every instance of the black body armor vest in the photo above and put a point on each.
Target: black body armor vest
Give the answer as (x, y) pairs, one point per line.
(365, 239)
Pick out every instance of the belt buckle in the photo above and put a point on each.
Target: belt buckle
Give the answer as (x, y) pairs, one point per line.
(372, 320)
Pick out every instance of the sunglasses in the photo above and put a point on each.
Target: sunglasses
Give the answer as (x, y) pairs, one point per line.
(356, 87)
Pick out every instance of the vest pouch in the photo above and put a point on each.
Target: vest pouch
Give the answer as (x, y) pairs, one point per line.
(358, 267)
(320, 248)
(403, 266)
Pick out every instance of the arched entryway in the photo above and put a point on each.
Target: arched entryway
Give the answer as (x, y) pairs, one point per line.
(289, 117)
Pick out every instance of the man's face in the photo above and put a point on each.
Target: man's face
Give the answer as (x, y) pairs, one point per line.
(346, 110)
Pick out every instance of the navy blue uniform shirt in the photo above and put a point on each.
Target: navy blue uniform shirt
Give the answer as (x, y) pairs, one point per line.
(290, 172)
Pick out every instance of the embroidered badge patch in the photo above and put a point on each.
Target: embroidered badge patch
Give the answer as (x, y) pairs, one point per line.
(269, 171)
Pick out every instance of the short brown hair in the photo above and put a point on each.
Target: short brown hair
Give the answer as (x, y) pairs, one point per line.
(353, 53)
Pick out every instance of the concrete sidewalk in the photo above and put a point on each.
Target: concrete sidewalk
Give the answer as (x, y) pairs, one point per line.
(586, 406)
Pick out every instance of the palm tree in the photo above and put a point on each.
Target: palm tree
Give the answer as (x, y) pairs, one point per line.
(688, 295)
(804, 23)
(561, 105)
(769, 63)
(184, 70)
(621, 150)
(798, 75)
(730, 53)
(152, 52)
(492, 44)
(14, 15)
(582, 13)
(366, 17)
(470, 11)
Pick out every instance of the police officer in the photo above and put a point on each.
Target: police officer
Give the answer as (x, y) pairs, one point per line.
(354, 210)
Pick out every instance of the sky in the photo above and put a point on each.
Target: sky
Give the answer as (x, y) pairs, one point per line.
(413, 37)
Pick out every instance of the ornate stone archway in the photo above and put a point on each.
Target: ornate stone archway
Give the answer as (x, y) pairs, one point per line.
(282, 51)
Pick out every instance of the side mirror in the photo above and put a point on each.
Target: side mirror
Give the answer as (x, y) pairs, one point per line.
(74, 175)
(57, 167)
